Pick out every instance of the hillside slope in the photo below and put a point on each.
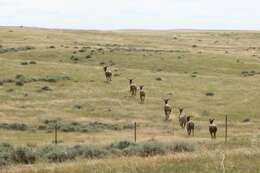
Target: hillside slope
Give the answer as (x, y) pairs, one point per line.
(58, 75)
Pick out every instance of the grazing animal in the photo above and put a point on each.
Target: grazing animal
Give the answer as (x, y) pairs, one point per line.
(190, 126)
(142, 94)
(212, 128)
(167, 109)
(108, 74)
(133, 88)
(182, 118)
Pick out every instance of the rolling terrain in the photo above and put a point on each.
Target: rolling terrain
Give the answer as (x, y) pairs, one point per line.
(50, 75)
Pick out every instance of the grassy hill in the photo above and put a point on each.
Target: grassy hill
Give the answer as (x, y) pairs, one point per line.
(49, 75)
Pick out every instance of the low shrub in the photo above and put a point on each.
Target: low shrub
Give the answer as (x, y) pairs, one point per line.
(19, 83)
(46, 88)
(121, 145)
(24, 63)
(53, 153)
(83, 127)
(6, 154)
(32, 62)
(94, 152)
(158, 79)
(82, 50)
(183, 147)
(14, 126)
(24, 155)
(88, 56)
(210, 94)
(149, 148)
(246, 120)
(20, 80)
(60, 153)
(12, 49)
(52, 47)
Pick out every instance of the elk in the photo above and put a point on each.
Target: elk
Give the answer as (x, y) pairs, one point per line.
(108, 74)
(212, 128)
(167, 109)
(190, 126)
(133, 88)
(182, 118)
(142, 94)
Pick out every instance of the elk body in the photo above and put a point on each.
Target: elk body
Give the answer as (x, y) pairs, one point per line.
(182, 118)
(212, 128)
(108, 74)
(142, 94)
(167, 109)
(190, 126)
(133, 88)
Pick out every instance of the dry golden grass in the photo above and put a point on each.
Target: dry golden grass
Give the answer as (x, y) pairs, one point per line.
(217, 60)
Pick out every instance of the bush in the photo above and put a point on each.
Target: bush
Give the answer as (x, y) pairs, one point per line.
(81, 50)
(146, 149)
(83, 127)
(24, 155)
(121, 145)
(14, 126)
(6, 151)
(158, 79)
(94, 152)
(183, 147)
(32, 62)
(19, 83)
(88, 56)
(53, 153)
(246, 120)
(210, 94)
(46, 88)
(151, 148)
(24, 63)
(58, 153)
(17, 126)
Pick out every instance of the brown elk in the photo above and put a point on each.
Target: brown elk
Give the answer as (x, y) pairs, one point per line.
(190, 126)
(108, 74)
(133, 88)
(212, 128)
(167, 109)
(182, 118)
(142, 94)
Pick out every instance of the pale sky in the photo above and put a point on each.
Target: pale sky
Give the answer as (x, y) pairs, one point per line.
(132, 14)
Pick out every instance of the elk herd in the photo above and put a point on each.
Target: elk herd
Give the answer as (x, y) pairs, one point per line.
(184, 120)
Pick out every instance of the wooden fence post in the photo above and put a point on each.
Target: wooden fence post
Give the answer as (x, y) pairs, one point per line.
(135, 131)
(226, 126)
(56, 134)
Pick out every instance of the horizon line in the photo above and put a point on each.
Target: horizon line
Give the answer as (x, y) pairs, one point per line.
(130, 29)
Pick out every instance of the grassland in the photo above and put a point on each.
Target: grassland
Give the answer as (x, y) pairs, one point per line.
(190, 63)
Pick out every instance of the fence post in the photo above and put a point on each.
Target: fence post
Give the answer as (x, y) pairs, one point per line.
(226, 126)
(56, 134)
(135, 131)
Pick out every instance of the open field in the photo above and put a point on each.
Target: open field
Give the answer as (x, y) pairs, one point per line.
(58, 75)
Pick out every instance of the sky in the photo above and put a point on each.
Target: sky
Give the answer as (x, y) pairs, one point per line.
(132, 14)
